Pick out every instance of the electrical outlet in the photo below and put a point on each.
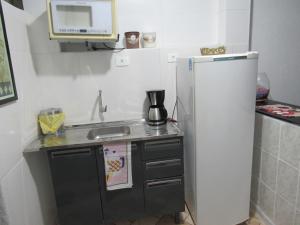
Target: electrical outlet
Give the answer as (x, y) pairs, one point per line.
(172, 57)
(122, 60)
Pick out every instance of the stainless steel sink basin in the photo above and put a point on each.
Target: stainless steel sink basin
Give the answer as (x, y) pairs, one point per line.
(106, 132)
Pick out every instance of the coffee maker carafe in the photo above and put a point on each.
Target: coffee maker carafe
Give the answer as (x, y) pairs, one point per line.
(157, 114)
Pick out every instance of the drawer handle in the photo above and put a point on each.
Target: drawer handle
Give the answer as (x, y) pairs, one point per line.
(172, 162)
(164, 183)
(164, 142)
(70, 153)
(133, 147)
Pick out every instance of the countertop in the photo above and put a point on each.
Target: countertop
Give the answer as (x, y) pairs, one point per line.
(76, 136)
(292, 120)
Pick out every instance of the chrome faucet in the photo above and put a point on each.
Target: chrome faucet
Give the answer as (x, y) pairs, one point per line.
(101, 108)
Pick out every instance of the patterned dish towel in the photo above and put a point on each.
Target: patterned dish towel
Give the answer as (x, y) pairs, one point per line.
(118, 171)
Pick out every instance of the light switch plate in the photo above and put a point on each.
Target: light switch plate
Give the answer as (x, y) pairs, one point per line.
(172, 57)
(122, 60)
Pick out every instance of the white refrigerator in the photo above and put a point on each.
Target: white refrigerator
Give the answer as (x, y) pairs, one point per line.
(216, 111)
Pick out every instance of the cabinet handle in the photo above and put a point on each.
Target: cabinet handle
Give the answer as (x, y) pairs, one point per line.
(71, 153)
(133, 147)
(172, 162)
(149, 146)
(164, 183)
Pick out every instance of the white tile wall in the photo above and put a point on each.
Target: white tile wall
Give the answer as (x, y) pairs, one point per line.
(79, 76)
(269, 138)
(267, 200)
(13, 192)
(234, 24)
(287, 182)
(275, 173)
(10, 137)
(177, 23)
(284, 214)
(268, 169)
(206, 23)
(18, 126)
(256, 162)
(290, 145)
(85, 73)
(74, 82)
(45, 77)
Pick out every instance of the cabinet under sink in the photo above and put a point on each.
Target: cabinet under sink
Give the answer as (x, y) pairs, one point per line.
(75, 180)
(80, 186)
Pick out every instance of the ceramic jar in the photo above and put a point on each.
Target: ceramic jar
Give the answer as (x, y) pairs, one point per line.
(149, 40)
(132, 39)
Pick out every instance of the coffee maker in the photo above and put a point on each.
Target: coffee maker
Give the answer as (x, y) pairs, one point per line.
(157, 114)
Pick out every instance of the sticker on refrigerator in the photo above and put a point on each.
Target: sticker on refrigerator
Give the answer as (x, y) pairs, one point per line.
(190, 64)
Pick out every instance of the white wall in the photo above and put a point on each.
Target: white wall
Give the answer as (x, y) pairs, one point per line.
(276, 36)
(46, 77)
(23, 181)
(182, 27)
(177, 22)
(72, 80)
(234, 24)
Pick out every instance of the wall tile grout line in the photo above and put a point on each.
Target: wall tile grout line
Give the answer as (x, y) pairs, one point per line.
(277, 172)
(267, 186)
(297, 199)
(270, 153)
(288, 164)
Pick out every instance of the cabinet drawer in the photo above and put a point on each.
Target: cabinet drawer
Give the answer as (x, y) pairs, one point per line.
(163, 168)
(167, 148)
(164, 195)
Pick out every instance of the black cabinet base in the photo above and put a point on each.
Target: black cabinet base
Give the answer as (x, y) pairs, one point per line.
(79, 181)
(177, 218)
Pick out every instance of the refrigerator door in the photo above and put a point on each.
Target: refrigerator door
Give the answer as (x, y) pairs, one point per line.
(186, 122)
(224, 130)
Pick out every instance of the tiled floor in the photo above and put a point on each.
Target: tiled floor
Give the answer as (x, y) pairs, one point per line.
(185, 219)
(254, 221)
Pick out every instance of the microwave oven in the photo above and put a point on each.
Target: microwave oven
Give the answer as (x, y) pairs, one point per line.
(82, 19)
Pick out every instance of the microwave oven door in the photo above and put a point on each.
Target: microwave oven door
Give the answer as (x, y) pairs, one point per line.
(82, 17)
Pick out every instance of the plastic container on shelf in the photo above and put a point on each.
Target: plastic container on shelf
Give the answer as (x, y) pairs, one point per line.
(262, 87)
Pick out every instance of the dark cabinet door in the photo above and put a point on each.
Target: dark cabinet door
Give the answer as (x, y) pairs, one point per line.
(123, 203)
(76, 185)
(164, 195)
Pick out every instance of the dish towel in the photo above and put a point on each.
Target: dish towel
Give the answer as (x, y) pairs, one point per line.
(3, 213)
(118, 168)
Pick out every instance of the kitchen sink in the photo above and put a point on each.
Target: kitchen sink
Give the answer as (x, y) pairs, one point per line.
(106, 132)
